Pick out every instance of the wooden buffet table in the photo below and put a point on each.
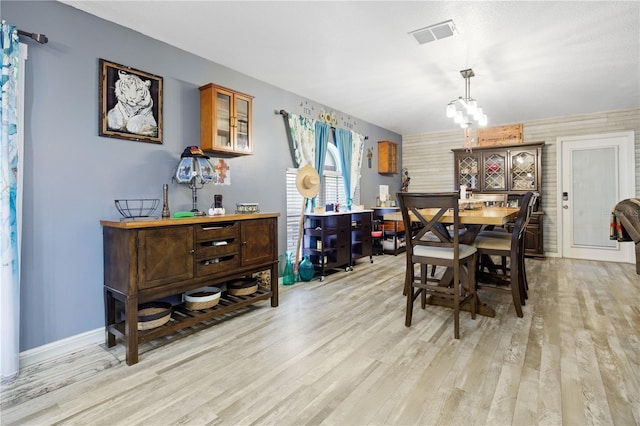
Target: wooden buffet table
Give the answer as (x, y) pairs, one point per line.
(473, 220)
(146, 260)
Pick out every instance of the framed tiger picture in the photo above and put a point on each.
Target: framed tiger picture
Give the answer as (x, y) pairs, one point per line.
(130, 103)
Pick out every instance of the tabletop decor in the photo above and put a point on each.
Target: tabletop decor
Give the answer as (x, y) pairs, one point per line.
(195, 170)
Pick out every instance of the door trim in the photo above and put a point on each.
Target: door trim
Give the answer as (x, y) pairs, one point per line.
(627, 187)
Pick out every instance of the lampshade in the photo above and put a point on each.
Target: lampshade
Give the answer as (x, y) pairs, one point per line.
(195, 170)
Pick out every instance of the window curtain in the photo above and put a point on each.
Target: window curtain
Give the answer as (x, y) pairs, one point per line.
(351, 147)
(357, 152)
(309, 139)
(343, 141)
(10, 151)
(303, 140)
(322, 141)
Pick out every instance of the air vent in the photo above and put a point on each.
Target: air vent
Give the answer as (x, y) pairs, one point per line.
(434, 32)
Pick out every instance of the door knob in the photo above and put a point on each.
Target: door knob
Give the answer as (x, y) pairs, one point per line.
(565, 207)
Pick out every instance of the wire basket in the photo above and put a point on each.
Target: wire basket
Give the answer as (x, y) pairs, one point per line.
(137, 207)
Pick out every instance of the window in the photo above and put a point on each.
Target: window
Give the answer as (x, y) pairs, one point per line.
(332, 191)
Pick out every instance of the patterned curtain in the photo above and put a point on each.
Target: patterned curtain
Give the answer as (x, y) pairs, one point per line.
(357, 152)
(9, 266)
(303, 139)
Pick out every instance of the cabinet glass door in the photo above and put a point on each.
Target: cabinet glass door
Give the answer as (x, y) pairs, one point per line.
(494, 172)
(468, 172)
(223, 121)
(242, 125)
(523, 171)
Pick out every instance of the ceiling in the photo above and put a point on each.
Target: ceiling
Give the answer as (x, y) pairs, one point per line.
(532, 60)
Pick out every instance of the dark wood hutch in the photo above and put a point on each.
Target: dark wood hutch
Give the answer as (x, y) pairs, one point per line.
(506, 169)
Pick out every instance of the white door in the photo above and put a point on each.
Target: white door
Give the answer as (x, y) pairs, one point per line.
(596, 172)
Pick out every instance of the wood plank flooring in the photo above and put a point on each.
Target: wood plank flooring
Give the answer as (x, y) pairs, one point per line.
(337, 352)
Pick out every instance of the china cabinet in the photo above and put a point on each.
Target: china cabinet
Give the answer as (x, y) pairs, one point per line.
(163, 258)
(387, 157)
(225, 120)
(506, 169)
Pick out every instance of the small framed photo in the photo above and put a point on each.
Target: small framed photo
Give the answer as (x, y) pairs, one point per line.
(130, 103)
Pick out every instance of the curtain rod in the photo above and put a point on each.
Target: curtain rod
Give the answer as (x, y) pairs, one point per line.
(40, 38)
(285, 113)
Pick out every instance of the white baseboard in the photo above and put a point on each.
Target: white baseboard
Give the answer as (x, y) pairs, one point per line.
(61, 347)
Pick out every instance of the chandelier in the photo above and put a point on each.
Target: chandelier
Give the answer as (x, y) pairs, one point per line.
(465, 111)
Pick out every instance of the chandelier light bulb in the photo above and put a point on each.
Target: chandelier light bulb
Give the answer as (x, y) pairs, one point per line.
(451, 110)
(483, 120)
(472, 107)
(458, 117)
(478, 114)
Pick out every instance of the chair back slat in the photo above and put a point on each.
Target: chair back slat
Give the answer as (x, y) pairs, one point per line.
(411, 206)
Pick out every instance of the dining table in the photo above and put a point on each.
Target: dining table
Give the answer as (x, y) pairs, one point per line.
(473, 220)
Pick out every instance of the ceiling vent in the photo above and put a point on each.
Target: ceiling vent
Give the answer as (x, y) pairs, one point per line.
(434, 32)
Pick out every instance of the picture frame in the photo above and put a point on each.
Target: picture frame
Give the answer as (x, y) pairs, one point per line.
(130, 103)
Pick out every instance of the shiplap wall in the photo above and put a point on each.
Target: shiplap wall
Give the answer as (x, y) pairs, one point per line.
(429, 158)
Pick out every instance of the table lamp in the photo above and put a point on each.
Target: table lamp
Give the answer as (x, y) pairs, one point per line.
(195, 170)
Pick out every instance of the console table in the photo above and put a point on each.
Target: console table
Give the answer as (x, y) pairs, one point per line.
(146, 260)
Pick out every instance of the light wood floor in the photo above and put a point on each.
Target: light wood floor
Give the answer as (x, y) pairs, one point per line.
(337, 353)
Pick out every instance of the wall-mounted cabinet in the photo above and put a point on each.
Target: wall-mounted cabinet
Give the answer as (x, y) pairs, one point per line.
(225, 120)
(387, 157)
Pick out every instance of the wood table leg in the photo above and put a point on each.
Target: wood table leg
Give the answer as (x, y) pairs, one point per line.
(447, 279)
(131, 330)
(274, 285)
(109, 317)
(482, 308)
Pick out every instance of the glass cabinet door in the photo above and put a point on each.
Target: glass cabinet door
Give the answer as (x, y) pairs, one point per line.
(523, 171)
(494, 173)
(468, 171)
(223, 137)
(242, 124)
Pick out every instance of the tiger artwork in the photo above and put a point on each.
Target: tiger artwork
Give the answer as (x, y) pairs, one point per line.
(134, 111)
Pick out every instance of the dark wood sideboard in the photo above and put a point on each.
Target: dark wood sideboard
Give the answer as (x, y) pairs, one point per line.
(147, 260)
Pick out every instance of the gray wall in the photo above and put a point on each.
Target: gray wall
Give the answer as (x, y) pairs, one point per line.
(72, 175)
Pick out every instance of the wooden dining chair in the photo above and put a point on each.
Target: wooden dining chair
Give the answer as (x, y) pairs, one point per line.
(511, 278)
(431, 243)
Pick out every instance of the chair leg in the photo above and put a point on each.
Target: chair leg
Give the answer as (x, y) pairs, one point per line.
(408, 291)
(409, 314)
(471, 268)
(423, 280)
(456, 306)
(523, 272)
(515, 285)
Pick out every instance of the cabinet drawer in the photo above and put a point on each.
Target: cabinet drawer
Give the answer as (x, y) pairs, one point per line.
(217, 264)
(217, 231)
(206, 251)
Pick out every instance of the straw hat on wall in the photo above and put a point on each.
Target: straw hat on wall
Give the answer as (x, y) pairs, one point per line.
(308, 181)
